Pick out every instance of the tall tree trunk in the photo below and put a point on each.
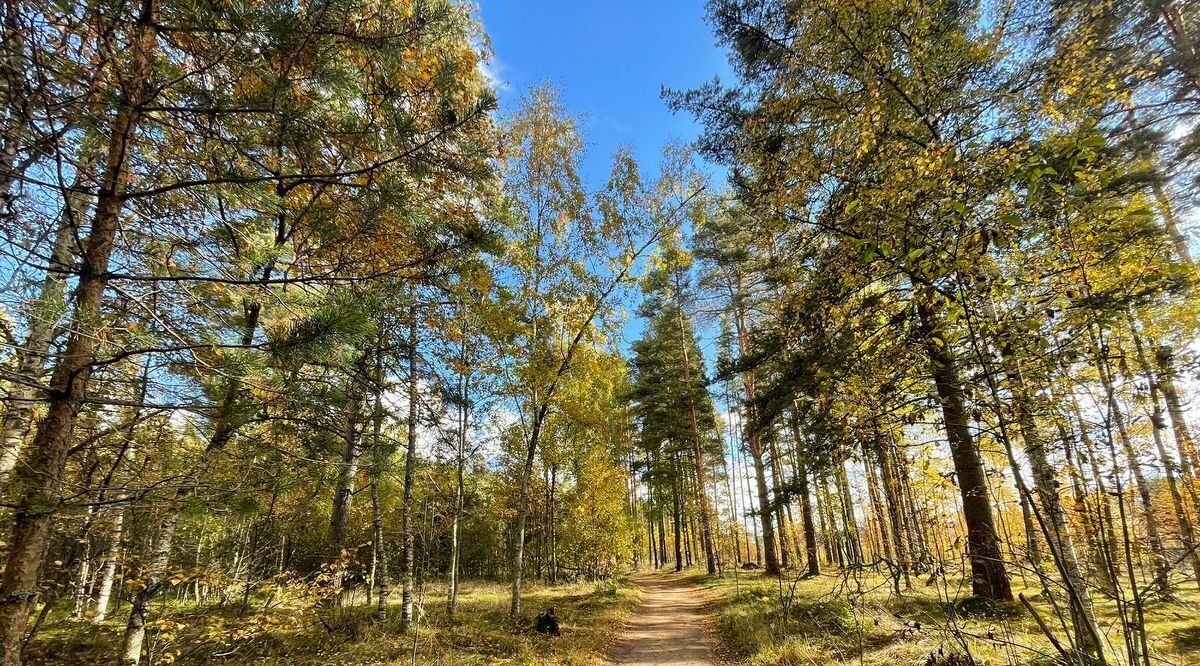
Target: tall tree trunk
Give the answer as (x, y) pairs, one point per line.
(539, 555)
(108, 571)
(1103, 500)
(1054, 524)
(343, 492)
(913, 526)
(539, 416)
(1170, 468)
(689, 539)
(1162, 566)
(892, 498)
(1171, 222)
(1183, 41)
(662, 535)
(407, 527)
(823, 517)
(46, 313)
(1032, 546)
(765, 510)
(853, 544)
(652, 510)
(88, 580)
(382, 456)
(1079, 495)
(382, 584)
(710, 561)
(779, 504)
(880, 535)
(988, 576)
(80, 595)
(118, 477)
(139, 608)
(1132, 627)
(731, 483)
(652, 542)
(38, 482)
(812, 555)
(17, 98)
(676, 514)
(552, 562)
(1184, 444)
(836, 537)
(697, 453)
(752, 533)
(460, 455)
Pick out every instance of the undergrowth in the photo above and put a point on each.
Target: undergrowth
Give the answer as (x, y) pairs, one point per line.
(857, 619)
(285, 632)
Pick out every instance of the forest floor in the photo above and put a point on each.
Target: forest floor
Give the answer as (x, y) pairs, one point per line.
(855, 618)
(288, 631)
(649, 618)
(671, 626)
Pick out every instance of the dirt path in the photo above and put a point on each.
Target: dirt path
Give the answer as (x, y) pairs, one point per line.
(671, 627)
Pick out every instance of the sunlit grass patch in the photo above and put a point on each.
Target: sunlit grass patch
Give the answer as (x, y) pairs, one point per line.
(856, 619)
(481, 632)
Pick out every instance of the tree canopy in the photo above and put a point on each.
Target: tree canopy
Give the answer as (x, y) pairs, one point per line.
(296, 309)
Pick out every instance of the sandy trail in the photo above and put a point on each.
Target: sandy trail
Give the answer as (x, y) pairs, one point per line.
(671, 627)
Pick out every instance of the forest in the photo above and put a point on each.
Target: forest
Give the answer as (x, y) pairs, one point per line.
(318, 348)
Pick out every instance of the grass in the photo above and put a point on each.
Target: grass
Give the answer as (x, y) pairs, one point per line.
(856, 619)
(292, 633)
(833, 619)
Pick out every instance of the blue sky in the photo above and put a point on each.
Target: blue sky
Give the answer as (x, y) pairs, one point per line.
(610, 61)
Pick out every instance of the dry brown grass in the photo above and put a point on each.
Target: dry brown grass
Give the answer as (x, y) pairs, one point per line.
(856, 619)
(481, 633)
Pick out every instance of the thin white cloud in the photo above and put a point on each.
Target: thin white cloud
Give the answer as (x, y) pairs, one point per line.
(493, 70)
(1181, 130)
